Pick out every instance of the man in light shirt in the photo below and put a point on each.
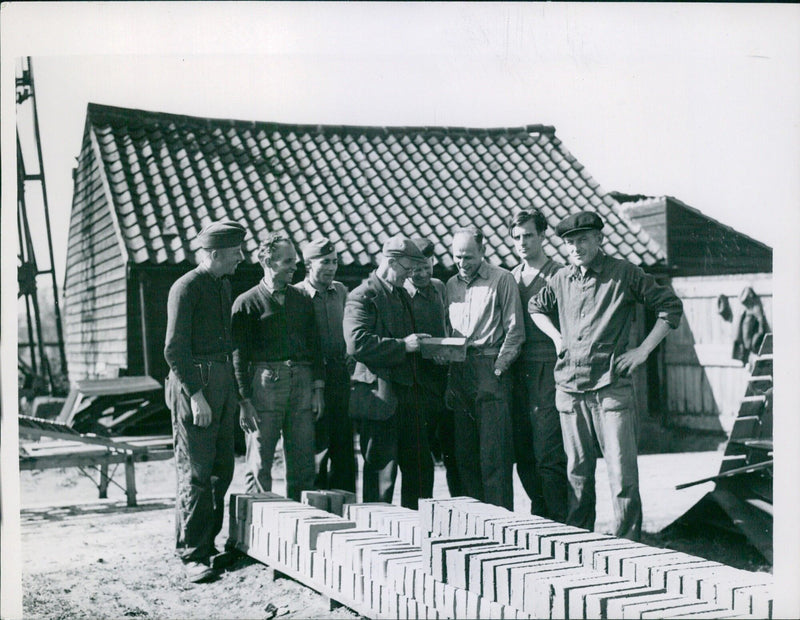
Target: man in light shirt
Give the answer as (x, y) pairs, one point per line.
(485, 308)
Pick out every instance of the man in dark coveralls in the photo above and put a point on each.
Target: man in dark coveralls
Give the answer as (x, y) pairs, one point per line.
(428, 306)
(333, 431)
(595, 298)
(201, 393)
(380, 335)
(278, 366)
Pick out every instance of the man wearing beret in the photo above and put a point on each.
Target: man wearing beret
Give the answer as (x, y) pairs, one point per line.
(333, 431)
(538, 447)
(428, 307)
(201, 393)
(595, 299)
(483, 307)
(278, 365)
(381, 336)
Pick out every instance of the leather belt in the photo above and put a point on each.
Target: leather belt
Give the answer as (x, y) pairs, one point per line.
(220, 358)
(287, 363)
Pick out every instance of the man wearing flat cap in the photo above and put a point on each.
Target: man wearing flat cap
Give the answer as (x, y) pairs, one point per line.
(333, 431)
(201, 393)
(278, 365)
(428, 307)
(381, 336)
(595, 298)
(484, 307)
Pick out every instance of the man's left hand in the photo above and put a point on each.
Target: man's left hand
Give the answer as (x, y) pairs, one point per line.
(629, 361)
(318, 402)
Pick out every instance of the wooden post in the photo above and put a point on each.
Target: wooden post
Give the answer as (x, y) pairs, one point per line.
(103, 486)
(130, 480)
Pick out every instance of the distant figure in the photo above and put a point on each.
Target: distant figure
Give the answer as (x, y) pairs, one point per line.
(201, 393)
(428, 306)
(751, 328)
(279, 371)
(595, 298)
(483, 307)
(335, 457)
(380, 334)
(538, 447)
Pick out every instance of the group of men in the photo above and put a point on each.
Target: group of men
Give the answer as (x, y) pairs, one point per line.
(545, 381)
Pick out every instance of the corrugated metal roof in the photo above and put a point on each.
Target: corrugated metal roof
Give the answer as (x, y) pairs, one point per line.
(170, 175)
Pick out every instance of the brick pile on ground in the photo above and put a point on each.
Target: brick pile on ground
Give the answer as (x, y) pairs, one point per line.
(460, 558)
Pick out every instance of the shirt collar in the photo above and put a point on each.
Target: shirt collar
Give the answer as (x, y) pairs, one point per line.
(312, 290)
(388, 285)
(270, 290)
(596, 266)
(482, 272)
(413, 290)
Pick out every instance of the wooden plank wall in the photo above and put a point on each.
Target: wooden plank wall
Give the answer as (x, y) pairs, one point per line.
(704, 383)
(95, 315)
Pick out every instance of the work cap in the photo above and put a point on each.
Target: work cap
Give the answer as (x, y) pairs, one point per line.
(583, 220)
(425, 246)
(222, 234)
(400, 246)
(318, 248)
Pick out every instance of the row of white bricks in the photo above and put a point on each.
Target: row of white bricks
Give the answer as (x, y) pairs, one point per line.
(459, 558)
(588, 574)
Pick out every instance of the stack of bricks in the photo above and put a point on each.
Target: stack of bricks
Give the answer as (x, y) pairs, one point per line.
(459, 558)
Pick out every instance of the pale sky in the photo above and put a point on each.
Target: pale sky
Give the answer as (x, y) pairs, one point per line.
(700, 102)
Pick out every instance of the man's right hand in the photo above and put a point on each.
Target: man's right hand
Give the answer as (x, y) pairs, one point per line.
(201, 410)
(248, 419)
(412, 342)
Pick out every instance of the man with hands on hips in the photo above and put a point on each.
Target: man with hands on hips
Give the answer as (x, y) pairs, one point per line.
(596, 298)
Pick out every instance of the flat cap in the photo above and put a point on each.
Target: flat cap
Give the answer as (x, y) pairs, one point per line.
(318, 247)
(222, 234)
(401, 246)
(425, 246)
(583, 220)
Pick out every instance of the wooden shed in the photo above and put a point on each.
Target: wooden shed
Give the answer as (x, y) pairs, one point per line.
(147, 182)
(710, 264)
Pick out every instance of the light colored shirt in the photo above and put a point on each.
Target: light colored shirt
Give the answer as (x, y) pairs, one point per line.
(487, 311)
(329, 312)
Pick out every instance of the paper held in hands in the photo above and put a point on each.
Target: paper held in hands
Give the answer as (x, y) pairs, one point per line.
(449, 349)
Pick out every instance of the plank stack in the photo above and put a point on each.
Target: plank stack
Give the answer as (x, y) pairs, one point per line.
(460, 558)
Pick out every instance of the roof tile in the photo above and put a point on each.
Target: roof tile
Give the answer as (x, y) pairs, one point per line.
(357, 185)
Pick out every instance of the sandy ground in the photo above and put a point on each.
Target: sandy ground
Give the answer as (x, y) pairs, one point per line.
(90, 558)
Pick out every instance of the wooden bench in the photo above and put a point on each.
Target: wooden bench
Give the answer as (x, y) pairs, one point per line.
(59, 445)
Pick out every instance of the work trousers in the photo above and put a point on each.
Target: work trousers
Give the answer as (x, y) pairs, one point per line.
(441, 437)
(204, 459)
(483, 445)
(282, 399)
(335, 456)
(401, 440)
(538, 444)
(602, 423)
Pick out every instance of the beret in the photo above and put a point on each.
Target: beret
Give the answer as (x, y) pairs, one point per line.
(222, 234)
(425, 246)
(583, 220)
(401, 246)
(318, 247)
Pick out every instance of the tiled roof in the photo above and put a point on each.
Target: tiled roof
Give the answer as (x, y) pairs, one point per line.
(169, 175)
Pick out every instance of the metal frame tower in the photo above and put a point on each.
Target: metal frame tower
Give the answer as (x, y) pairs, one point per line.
(28, 269)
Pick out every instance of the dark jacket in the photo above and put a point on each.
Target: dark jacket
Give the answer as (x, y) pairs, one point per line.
(376, 320)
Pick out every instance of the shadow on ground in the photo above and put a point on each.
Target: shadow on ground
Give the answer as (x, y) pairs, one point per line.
(109, 507)
(657, 439)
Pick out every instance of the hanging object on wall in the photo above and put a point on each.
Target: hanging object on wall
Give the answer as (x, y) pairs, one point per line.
(724, 308)
(751, 328)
